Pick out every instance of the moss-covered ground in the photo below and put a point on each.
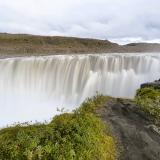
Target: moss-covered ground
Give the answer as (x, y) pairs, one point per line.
(148, 100)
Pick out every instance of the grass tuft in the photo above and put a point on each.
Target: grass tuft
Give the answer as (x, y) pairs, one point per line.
(148, 99)
(71, 136)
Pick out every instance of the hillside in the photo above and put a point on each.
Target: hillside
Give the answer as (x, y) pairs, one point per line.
(143, 47)
(21, 44)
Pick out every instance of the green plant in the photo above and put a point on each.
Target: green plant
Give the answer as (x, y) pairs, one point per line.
(148, 99)
(70, 136)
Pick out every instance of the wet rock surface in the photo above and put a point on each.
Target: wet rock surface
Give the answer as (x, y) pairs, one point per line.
(138, 137)
(155, 84)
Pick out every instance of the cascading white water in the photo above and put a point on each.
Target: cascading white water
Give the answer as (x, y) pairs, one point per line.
(32, 88)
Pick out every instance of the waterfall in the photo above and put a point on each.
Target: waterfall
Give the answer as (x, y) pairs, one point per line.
(31, 88)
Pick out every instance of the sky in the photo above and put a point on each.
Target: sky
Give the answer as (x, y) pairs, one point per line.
(121, 21)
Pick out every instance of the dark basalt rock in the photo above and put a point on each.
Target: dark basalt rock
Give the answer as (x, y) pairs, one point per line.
(138, 137)
(155, 84)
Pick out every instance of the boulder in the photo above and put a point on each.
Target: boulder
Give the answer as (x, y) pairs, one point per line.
(155, 84)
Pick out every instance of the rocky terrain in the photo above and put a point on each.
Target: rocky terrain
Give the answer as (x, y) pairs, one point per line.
(23, 45)
(137, 135)
(155, 84)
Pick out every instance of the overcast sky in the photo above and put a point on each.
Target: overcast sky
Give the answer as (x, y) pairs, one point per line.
(117, 20)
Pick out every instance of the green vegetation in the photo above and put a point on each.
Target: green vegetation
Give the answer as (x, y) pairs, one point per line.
(149, 101)
(80, 135)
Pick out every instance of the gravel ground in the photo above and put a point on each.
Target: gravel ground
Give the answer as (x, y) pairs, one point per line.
(138, 137)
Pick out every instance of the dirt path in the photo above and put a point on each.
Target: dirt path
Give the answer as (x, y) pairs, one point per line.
(138, 137)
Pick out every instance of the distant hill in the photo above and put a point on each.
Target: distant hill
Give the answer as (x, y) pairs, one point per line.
(143, 47)
(21, 44)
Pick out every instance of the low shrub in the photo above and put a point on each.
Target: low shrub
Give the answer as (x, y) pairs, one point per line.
(148, 99)
(71, 136)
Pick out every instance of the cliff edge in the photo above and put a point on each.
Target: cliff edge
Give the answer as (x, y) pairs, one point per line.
(136, 123)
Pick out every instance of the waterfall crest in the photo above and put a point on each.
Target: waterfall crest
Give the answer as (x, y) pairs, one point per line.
(33, 87)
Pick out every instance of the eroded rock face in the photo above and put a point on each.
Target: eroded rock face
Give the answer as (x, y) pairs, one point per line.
(155, 84)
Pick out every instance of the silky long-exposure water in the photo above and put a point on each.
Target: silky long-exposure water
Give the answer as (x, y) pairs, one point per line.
(32, 88)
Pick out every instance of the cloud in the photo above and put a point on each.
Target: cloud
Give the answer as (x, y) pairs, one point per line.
(117, 20)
